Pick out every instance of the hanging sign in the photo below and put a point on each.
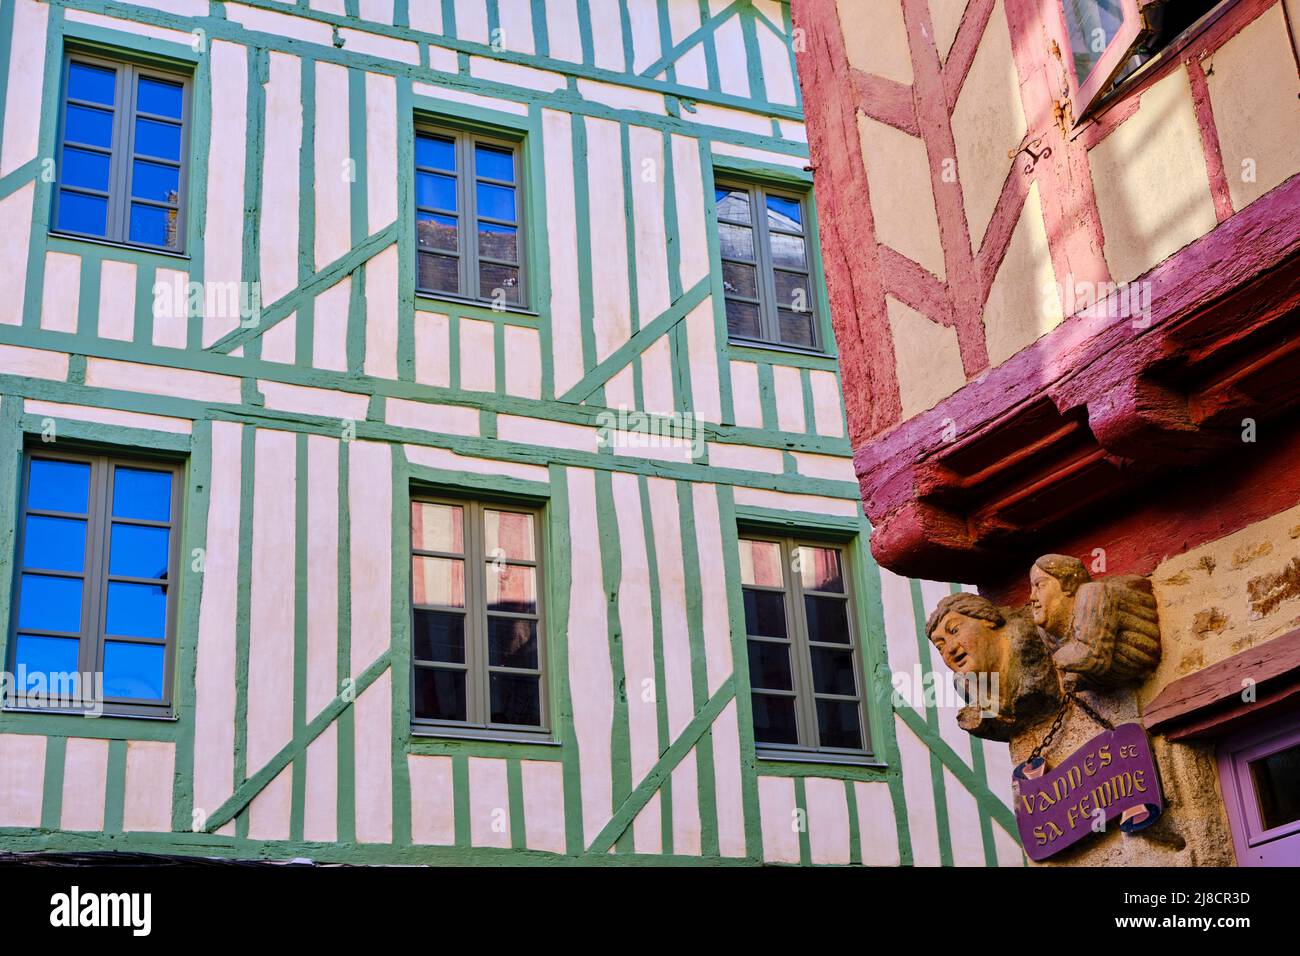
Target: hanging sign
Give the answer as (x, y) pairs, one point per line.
(1113, 776)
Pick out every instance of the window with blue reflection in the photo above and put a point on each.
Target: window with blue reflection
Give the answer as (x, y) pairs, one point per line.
(134, 671)
(146, 495)
(121, 164)
(96, 553)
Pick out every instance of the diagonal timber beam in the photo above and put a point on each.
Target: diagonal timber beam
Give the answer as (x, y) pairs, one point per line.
(671, 757)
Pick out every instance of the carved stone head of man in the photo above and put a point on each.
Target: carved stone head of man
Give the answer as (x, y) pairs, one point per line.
(1054, 580)
(1001, 664)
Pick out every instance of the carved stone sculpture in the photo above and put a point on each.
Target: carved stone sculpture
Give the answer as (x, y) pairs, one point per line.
(998, 658)
(1107, 632)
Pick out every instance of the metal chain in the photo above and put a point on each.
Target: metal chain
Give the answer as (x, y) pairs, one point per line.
(1068, 699)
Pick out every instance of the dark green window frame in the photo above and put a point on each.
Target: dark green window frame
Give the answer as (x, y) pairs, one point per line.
(477, 665)
(762, 290)
(122, 151)
(801, 639)
(468, 251)
(96, 573)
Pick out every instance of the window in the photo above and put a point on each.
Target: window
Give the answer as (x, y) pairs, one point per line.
(478, 648)
(1110, 40)
(765, 267)
(1259, 772)
(121, 169)
(97, 557)
(468, 217)
(803, 656)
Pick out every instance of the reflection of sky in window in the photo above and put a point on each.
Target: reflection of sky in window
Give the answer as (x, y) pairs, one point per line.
(1083, 19)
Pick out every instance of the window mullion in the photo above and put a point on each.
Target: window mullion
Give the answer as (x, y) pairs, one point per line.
(122, 157)
(763, 256)
(97, 587)
(807, 698)
(470, 234)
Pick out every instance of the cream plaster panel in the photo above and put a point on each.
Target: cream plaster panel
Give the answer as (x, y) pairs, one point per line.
(1023, 302)
(1255, 92)
(988, 121)
(945, 16)
(902, 202)
(927, 358)
(1149, 175)
(875, 38)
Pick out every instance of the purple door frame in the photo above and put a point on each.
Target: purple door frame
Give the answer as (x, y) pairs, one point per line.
(1256, 846)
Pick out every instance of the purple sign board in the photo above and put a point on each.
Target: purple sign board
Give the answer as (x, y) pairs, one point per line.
(1111, 776)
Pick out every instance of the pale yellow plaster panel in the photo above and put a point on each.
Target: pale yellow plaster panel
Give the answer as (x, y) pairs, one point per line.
(945, 16)
(1228, 595)
(1255, 93)
(875, 38)
(1152, 189)
(902, 202)
(927, 357)
(988, 122)
(1023, 303)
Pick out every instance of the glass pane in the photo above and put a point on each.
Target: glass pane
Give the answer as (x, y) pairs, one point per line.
(50, 604)
(828, 619)
(155, 181)
(439, 636)
(439, 581)
(760, 563)
(438, 694)
(88, 125)
(437, 527)
(50, 656)
(796, 328)
(512, 642)
(435, 191)
(153, 225)
(137, 551)
(86, 169)
(146, 495)
(58, 485)
(511, 587)
(740, 280)
(788, 251)
(838, 724)
(153, 138)
(1092, 24)
(510, 532)
(94, 83)
(833, 672)
(1277, 783)
(792, 292)
(498, 242)
(784, 214)
(433, 231)
(774, 720)
(159, 97)
(737, 242)
(500, 282)
(439, 273)
(516, 699)
(55, 544)
(769, 666)
(80, 213)
(435, 153)
(819, 569)
(764, 613)
(136, 610)
(733, 204)
(134, 670)
(496, 202)
(743, 320)
(493, 163)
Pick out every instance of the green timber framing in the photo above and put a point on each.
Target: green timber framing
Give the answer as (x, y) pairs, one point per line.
(771, 155)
